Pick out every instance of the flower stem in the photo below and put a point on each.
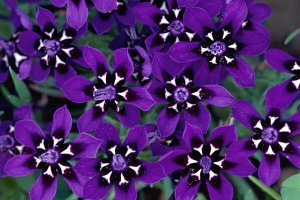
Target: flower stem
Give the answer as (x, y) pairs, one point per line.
(272, 193)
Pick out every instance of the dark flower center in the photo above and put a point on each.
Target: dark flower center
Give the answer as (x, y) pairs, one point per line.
(51, 156)
(107, 93)
(181, 94)
(118, 162)
(270, 135)
(52, 47)
(176, 27)
(6, 142)
(205, 162)
(217, 48)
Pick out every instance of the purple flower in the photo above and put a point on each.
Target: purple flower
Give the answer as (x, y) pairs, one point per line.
(222, 44)
(202, 163)
(54, 49)
(120, 166)
(9, 146)
(272, 135)
(169, 26)
(288, 90)
(109, 92)
(51, 154)
(10, 54)
(182, 94)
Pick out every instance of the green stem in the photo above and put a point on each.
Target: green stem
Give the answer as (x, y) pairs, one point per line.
(272, 193)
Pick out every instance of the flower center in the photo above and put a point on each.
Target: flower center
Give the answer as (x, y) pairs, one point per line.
(270, 135)
(6, 142)
(217, 48)
(107, 93)
(51, 156)
(176, 27)
(205, 163)
(181, 94)
(118, 162)
(52, 47)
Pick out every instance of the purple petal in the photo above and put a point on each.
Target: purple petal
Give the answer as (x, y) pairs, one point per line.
(23, 112)
(75, 182)
(184, 52)
(19, 165)
(62, 123)
(4, 157)
(122, 63)
(129, 193)
(280, 96)
(28, 133)
(167, 122)
(89, 120)
(185, 191)
(168, 161)
(235, 15)
(153, 173)
(44, 188)
(38, 73)
(213, 7)
(162, 63)
(129, 116)
(154, 89)
(242, 73)
(260, 11)
(76, 92)
(223, 191)
(198, 19)
(3, 73)
(154, 43)
(243, 168)
(293, 157)
(93, 189)
(88, 167)
(240, 150)
(103, 23)
(278, 59)
(269, 169)
(191, 133)
(85, 146)
(59, 3)
(200, 118)
(147, 14)
(244, 112)
(219, 96)
(105, 6)
(223, 136)
(254, 42)
(142, 98)
(95, 59)
(62, 77)
(27, 41)
(44, 17)
(77, 13)
(24, 69)
(126, 16)
(294, 120)
(101, 133)
(137, 137)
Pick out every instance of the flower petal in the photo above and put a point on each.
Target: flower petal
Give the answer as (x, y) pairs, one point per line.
(88, 167)
(105, 6)
(95, 59)
(93, 189)
(85, 146)
(243, 167)
(223, 190)
(140, 98)
(44, 188)
(153, 173)
(137, 137)
(293, 157)
(278, 59)
(23, 112)
(28, 133)
(147, 14)
(107, 133)
(44, 17)
(103, 23)
(77, 13)
(125, 194)
(74, 181)
(122, 63)
(129, 116)
(27, 41)
(240, 150)
(185, 191)
(59, 3)
(245, 113)
(223, 136)
(19, 165)
(39, 73)
(218, 96)
(90, 120)
(61, 77)
(62, 123)
(167, 122)
(269, 169)
(184, 52)
(192, 133)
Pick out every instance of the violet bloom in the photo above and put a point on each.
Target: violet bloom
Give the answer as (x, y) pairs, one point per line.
(51, 154)
(182, 95)
(120, 166)
(283, 94)
(272, 135)
(10, 54)
(9, 146)
(169, 27)
(222, 44)
(55, 50)
(204, 162)
(110, 91)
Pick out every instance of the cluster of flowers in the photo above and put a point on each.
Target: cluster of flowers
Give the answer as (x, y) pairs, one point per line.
(178, 59)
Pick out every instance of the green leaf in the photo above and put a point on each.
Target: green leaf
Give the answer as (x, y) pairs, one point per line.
(14, 100)
(292, 36)
(290, 189)
(250, 195)
(21, 89)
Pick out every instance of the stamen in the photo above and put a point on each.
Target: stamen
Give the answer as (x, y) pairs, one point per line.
(107, 93)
